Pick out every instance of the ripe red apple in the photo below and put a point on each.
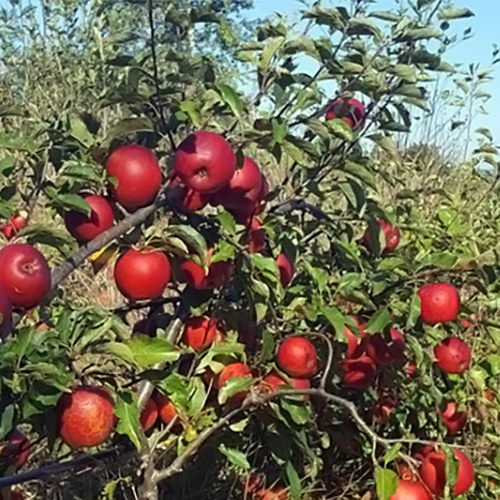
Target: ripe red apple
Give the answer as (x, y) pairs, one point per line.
(25, 275)
(410, 490)
(433, 473)
(383, 408)
(286, 269)
(257, 236)
(149, 414)
(18, 220)
(205, 162)
(356, 347)
(489, 395)
(17, 451)
(352, 112)
(382, 353)
(453, 419)
(439, 303)
(166, 409)
(9, 231)
(273, 381)
(86, 417)
(392, 237)
(453, 355)
(233, 370)
(218, 273)
(359, 373)
(243, 190)
(411, 368)
(85, 228)
(190, 199)
(465, 323)
(5, 313)
(297, 357)
(137, 173)
(200, 332)
(142, 274)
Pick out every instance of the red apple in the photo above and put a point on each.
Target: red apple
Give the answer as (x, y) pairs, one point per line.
(411, 368)
(243, 190)
(489, 395)
(433, 473)
(218, 274)
(453, 355)
(383, 353)
(257, 236)
(286, 269)
(142, 274)
(17, 451)
(231, 371)
(453, 419)
(25, 275)
(298, 357)
(356, 347)
(86, 227)
(383, 408)
(137, 174)
(359, 373)
(352, 112)
(166, 409)
(9, 231)
(439, 303)
(149, 414)
(86, 417)
(410, 490)
(191, 200)
(392, 237)
(18, 221)
(200, 332)
(273, 381)
(205, 162)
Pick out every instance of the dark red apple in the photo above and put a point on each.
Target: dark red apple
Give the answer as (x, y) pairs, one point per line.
(410, 490)
(149, 414)
(205, 162)
(286, 269)
(25, 275)
(166, 409)
(189, 199)
(137, 174)
(439, 303)
(141, 275)
(298, 357)
(383, 409)
(351, 111)
(200, 332)
(392, 237)
(257, 236)
(86, 227)
(453, 419)
(383, 353)
(453, 355)
(359, 373)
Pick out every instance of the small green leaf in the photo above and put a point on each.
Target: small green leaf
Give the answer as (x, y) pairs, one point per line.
(414, 312)
(280, 129)
(151, 351)
(235, 456)
(335, 318)
(191, 237)
(392, 453)
(233, 386)
(387, 483)
(379, 321)
(127, 411)
(190, 108)
(294, 481)
(455, 13)
(231, 98)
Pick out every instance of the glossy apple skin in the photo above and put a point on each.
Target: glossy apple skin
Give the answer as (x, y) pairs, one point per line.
(286, 269)
(359, 373)
(138, 175)
(453, 419)
(257, 236)
(6, 312)
(149, 414)
(9, 231)
(392, 237)
(141, 275)
(433, 473)
(439, 303)
(410, 490)
(352, 112)
(453, 355)
(243, 190)
(25, 275)
(166, 409)
(298, 358)
(218, 275)
(187, 198)
(86, 417)
(205, 162)
(85, 228)
(200, 332)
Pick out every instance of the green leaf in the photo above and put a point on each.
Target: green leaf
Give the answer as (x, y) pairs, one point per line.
(191, 109)
(455, 13)
(420, 34)
(340, 129)
(335, 317)
(265, 264)
(227, 222)
(231, 98)
(385, 142)
(151, 351)
(127, 411)
(452, 465)
(128, 126)
(270, 49)
(392, 453)
(293, 481)
(379, 321)
(406, 72)
(280, 129)
(233, 386)
(80, 132)
(7, 166)
(191, 237)
(387, 483)
(198, 398)
(361, 172)
(235, 456)
(7, 420)
(295, 407)
(414, 312)
(293, 151)
(72, 202)
(224, 251)
(118, 350)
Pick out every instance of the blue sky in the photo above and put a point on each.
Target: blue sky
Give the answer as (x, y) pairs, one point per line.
(485, 28)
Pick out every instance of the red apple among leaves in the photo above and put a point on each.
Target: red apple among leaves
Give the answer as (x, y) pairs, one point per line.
(141, 275)
(286, 269)
(17, 451)
(297, 357)
(433, 473)
(200, 332)
(205, 162)
(257, 236)
(86, 227)
(383, 409)
(351, 111)
(149, 414)
(453, 419)
(439, 303)
(392, 237)
(217, 276)
(16, 223)
(25, 275)
(273, 381)
(231, 371)
(189, 199)
(384, 353)
(453, 355)
(410, 490)
(359, 373)
(166, 409)
(86, 417)
(137, 176)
